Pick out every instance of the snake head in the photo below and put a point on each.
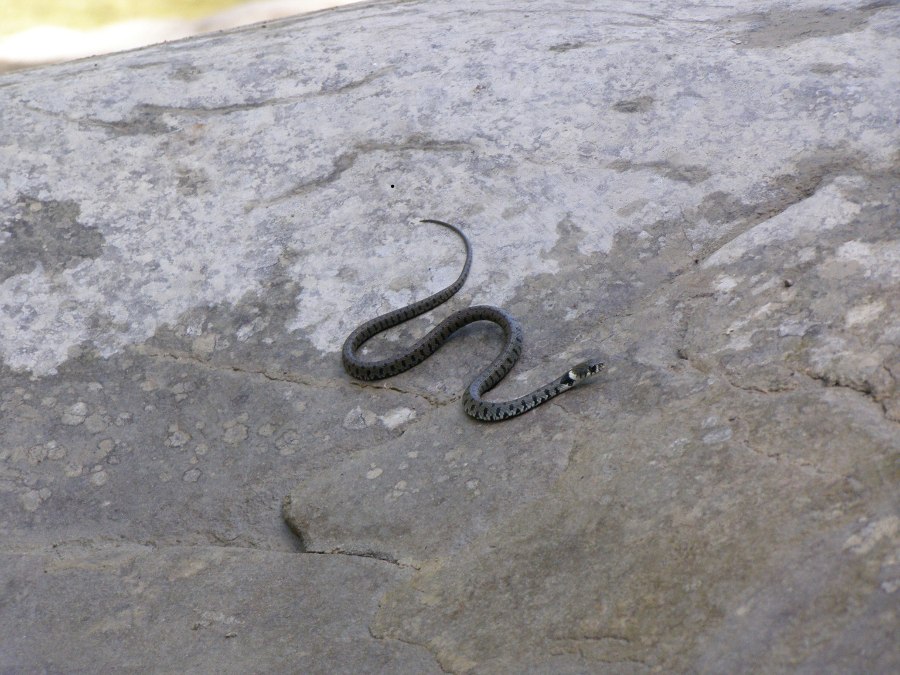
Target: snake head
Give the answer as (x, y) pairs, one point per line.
(584, 370)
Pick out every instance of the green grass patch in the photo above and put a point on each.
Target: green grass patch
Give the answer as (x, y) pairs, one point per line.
(17, 15)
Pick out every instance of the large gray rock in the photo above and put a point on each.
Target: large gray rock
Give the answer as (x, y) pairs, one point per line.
(708, 197)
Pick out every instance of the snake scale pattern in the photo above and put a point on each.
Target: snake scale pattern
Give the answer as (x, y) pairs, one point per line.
(473, 403)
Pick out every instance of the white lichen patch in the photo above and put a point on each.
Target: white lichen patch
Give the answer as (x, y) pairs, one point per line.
(73, 470)
(246, 331)
(720, 435)
(767, 285)
(863, 314)
(358, 418)
(762, 311)
(400, 488)
(738, 338)
(105, 447)
(96, 423)
(75, 414)
(793, 328)
(289, 442)
(36, 454)
(397, 416)
(177, 437)
(880, 260)
(31, 500)
(830, 348)
(869, 537)
(98, 476)
(235, 430)
(204, 345)
(724, 283)
(855, 251)
(55, 451)
(191, 475)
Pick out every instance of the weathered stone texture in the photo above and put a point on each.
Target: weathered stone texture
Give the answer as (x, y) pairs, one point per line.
(709, 195)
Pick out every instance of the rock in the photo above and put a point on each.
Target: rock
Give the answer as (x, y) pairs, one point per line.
(177, 608)
(189, 232)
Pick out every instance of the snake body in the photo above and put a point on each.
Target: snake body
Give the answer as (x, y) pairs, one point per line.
(473, 403)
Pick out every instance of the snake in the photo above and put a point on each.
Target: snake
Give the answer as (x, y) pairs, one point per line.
(473, 403)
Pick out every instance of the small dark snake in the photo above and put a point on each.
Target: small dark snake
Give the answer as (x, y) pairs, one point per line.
(474, 405)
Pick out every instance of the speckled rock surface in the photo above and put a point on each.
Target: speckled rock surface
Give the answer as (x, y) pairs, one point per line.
(708, 194)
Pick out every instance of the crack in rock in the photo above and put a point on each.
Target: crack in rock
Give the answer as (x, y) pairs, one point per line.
(292, 378)
(363, 553)
(402, 641)
(865, 387)
(84, 545)
(298, 531)
(284, 376)
(145, 118)
(429, 398)
(345, 161)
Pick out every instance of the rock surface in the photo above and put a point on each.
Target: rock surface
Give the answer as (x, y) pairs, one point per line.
(707, 194)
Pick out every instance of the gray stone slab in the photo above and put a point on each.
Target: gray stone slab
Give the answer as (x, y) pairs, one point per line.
(96, 606)
(706, 194)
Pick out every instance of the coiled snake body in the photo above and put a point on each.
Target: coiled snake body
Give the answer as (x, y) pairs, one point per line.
(473, 404)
